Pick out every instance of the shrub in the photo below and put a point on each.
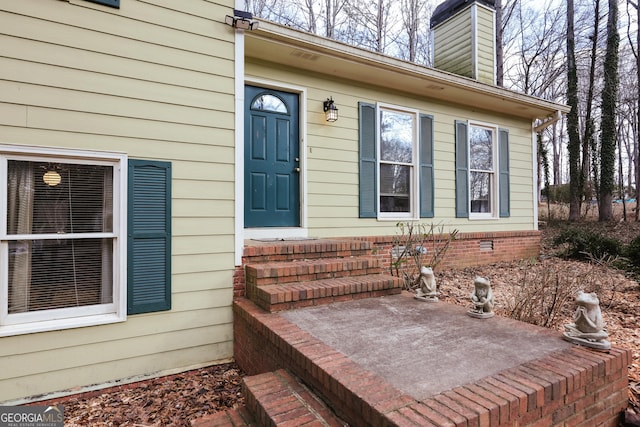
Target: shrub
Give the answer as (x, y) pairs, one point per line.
(542, 296)
(545, 296)
(633, 253)
(416, 246)
(585, 244)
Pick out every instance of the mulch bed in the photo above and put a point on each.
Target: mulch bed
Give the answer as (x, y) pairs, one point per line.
(173, 400)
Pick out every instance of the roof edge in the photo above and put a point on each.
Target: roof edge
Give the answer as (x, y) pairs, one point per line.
(282, 37)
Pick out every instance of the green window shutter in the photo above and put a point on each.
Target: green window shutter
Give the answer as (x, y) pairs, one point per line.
(149, 236)
(111, 3)
(503, 169)
(426, 166)
(462, 170)
(368, 181)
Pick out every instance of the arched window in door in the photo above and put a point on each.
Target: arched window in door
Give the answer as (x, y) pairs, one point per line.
(268, 102)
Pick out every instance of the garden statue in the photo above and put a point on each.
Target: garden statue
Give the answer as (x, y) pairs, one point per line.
(587, 328)
(427, 290)
(482, 299)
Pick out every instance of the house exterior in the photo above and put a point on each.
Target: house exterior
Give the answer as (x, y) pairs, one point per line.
(135, 144)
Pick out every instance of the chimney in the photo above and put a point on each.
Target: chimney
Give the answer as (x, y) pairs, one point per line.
(464, 38)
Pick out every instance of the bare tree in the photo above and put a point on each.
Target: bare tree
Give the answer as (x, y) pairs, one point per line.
(332, 10)
(540, 57)
(369, 25)
(308, 9)
(411, 22)
(414, 40)
(588, 137)
(504, 12)
(627, 108)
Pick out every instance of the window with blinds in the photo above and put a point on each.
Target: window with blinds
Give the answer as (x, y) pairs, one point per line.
(62, 255)
(60, 239)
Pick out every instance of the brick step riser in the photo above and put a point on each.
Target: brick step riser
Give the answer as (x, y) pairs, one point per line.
(265, 259)
(293, 252)
(301, 303)
(296, 278)
(277, 398)
(304, 294)
(305, 270)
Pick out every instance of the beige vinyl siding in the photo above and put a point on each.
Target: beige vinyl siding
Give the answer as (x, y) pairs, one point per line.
(155, 80)
(453, 45)
(331, 153)
(485, 44)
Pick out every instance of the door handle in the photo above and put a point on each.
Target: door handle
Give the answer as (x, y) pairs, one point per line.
(296, 170)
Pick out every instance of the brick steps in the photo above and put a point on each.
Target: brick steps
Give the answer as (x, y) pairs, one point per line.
(286, 275)
(274, 399)
(302, 294)
(278, 399)
(315, 269)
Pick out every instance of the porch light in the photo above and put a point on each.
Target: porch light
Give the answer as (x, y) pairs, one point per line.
(241, 20)
(51, 178)
(330, 110)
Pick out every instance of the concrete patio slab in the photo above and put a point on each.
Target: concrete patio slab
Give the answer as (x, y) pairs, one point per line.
(422, 348)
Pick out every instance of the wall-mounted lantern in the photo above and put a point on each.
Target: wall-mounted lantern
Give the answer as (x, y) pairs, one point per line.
(330, 110)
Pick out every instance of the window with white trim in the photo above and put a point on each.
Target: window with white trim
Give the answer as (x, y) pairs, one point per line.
(397, 165)
(62, 239)
(482, 171)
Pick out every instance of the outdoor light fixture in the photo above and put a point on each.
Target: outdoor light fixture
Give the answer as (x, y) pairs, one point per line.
(51, 178)
(241, 20)
(330, 110)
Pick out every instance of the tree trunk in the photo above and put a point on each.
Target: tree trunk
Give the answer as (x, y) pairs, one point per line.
(621, 191)
(638, 120)
(608, 131)
(330, 19)
(572, 118)
(380, 26)
(499, 45)
(587, 138)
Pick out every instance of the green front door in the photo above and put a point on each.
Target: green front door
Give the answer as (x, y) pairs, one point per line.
(271, 159)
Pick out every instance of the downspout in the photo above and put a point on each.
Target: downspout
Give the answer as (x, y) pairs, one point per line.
(239, 140)
(537, 129)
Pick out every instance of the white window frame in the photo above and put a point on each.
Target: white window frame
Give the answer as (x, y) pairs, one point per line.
(414, 185)
(74, 317)
(495, 176)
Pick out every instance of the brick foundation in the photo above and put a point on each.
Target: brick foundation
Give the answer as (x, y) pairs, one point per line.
(468, 250)
(472, 249)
